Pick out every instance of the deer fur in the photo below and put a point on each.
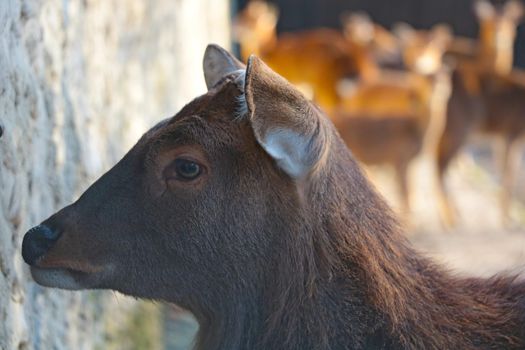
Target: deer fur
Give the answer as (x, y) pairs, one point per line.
(280, 243)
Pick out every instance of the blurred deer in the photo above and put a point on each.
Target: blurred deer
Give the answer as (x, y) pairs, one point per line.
(497, 34)
(388, 119)
(487, 97)
(317, 58)
(371, 45)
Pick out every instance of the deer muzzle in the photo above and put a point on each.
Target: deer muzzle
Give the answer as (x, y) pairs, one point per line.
(43, 250)
(37, 242)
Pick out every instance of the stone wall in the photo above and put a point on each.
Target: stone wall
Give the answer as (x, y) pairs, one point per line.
(80, 81)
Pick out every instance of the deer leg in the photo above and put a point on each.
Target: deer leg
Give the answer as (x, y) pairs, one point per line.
(447, 212)
(446, 152)
(401, 169)
(510, 161)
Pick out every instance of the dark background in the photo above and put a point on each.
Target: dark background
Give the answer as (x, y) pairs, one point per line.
(302, 14)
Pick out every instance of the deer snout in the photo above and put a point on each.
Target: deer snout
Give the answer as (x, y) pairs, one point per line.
(37, 242)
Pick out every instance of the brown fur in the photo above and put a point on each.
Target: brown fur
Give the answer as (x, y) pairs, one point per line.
(264, 259)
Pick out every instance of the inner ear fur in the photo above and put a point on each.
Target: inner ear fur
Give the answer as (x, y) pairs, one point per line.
(217, 63)
(288, 127)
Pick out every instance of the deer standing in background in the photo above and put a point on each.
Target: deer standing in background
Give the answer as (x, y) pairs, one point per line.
(488, 97)
(388, 118)
(248, 209)
(385, 117)
(317, 58)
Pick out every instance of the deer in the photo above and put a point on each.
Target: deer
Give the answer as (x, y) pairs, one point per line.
(487, 98)
(317, 59)
(390, 119)
(372, 46)
(247, 209)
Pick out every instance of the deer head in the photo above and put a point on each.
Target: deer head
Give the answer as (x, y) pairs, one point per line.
(360, 29)
(254, 27)
(208, 203)
(498, 32)
(423, 50)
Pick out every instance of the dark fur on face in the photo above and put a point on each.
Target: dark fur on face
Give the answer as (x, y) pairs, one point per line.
(276, 244)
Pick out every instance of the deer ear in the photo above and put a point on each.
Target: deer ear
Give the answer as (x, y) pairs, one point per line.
(267, 13)
(358, 26)
(442, 34)
(484, 9)
(514, 10)
(404, 32)
(286, 125)
(218, 63)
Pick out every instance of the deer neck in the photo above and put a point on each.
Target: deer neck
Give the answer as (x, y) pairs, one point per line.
(365, 63)
(301, 299)
(235, 326)
(495, 54)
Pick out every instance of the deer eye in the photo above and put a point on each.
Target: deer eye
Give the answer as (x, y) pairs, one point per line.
(186, 170)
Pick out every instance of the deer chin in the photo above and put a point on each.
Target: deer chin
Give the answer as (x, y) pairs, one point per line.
(61, 278)
(71, 278)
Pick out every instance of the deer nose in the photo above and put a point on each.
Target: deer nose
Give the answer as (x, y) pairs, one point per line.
(37, 241)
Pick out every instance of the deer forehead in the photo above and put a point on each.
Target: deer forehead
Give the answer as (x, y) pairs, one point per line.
(195, 123)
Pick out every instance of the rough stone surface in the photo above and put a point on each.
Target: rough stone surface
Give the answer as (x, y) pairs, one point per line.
(80, 80)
